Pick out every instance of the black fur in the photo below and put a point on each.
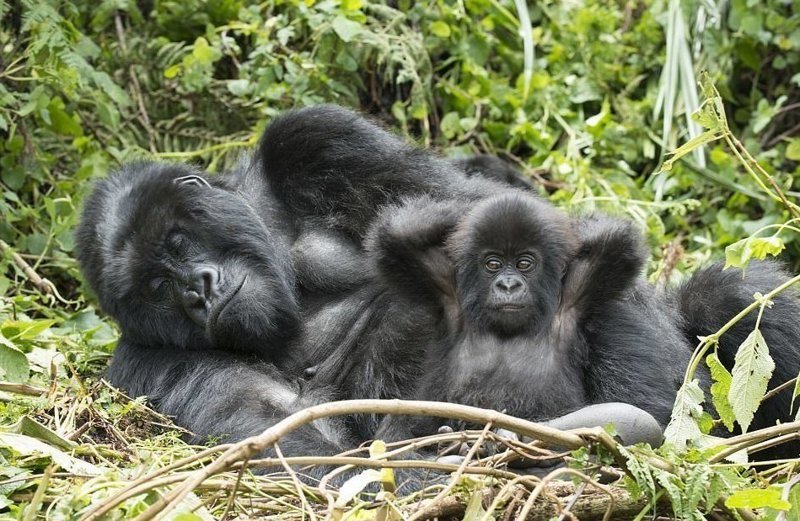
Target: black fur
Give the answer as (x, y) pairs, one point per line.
(536, 304)
(492, 167)
(203, 288)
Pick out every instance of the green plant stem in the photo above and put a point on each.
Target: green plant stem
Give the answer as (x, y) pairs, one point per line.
(203, 151)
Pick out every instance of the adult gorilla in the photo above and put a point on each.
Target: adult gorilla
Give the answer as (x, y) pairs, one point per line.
(203, 291)
(333, 169)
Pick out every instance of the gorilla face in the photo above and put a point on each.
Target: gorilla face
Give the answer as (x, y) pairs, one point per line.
(181, 260)
(510, 256)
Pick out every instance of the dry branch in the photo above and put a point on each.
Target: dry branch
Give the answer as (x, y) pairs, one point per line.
(251, 447)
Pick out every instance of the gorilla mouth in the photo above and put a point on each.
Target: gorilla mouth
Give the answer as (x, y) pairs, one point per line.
(509, 307)
(214, 318)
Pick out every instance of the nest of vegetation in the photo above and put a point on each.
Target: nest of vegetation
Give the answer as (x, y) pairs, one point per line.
(124, 461)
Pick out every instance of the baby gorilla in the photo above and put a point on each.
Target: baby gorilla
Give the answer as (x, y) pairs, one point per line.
(530, 301)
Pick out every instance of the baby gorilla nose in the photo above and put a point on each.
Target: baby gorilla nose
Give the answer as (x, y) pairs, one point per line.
(509, 284)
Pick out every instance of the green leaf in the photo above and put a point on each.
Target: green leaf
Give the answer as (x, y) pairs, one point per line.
(757, 498)
(345, 29)
(739, 253)
(440, 29)
(750, 377)
(696, 142)
(13, 362)
(28, 446)
(683, 426)
(720, 389)
(450, 125)
(475, 510)
(793, 150)
(171, 72)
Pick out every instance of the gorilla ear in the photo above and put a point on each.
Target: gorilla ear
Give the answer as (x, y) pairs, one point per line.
(192, 180)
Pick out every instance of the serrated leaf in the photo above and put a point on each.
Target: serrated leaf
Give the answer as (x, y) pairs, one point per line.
(720, 389)
(757, 498)
(683, 426)
(694, 490)
(640, 472)
(751, 373)
(674, 492)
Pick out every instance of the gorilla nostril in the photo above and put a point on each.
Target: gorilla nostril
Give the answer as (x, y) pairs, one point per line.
(509, 284)
(192, 299)
(207, 281)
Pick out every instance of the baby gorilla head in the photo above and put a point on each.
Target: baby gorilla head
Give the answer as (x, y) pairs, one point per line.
(510, 255)
(181, 260)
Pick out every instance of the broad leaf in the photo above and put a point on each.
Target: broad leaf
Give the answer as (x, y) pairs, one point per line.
(757, 498)
(739, 253)
(13, 363)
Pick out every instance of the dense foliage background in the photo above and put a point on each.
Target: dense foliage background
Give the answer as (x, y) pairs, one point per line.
(586, 97)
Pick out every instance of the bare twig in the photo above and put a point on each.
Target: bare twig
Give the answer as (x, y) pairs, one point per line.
(42, 284)
(25, 389)
(458, 473)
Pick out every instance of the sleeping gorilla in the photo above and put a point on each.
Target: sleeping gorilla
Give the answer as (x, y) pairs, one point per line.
(203, 291)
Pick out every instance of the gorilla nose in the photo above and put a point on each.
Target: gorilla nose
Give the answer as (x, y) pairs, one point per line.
(205, 282)
(509, 284)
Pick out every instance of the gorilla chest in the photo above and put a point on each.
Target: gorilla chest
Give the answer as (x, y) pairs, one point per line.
(530, 378)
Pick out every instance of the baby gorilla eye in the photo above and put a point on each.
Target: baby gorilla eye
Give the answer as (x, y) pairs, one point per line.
(525, 263)
(493, 264)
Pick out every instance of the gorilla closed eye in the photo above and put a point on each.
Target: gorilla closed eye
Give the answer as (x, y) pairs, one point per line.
(177, 243)
(158, 285)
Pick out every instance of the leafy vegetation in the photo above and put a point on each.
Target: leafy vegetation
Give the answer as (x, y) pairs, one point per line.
(589, 98)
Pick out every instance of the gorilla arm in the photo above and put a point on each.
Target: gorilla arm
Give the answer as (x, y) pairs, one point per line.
(609, 258)
(215, 393)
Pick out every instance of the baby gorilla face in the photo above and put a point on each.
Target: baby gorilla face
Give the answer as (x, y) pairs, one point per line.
(178, 260)
(510, 254)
